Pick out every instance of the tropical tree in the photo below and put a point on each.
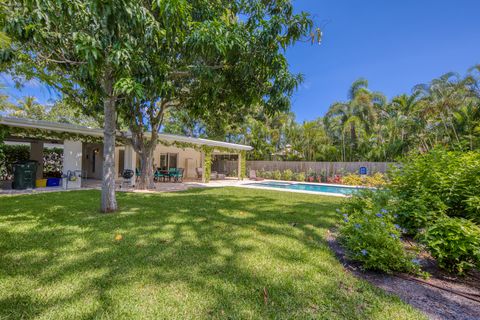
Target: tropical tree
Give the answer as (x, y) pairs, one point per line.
(350, 121)
(203, 59)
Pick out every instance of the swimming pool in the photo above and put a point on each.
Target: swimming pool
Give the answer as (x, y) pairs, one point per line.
(311, 188)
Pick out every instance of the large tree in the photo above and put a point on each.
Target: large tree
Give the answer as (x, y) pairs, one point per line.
(82, 48)
(217, 62)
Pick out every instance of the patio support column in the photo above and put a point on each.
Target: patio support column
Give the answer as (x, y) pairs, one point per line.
(130, 161)
(239, 166)
(36, 153)
(72, 155)
(206, 164)
(242, 165)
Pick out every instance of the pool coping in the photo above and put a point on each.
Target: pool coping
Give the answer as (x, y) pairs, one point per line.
(251, 185)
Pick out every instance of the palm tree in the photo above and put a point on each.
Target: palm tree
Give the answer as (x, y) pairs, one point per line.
(353, 119)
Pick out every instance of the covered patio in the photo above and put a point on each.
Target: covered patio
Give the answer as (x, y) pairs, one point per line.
(83, 153)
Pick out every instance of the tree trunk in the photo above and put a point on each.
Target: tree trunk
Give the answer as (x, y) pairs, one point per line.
(109, 201)
(146, 173)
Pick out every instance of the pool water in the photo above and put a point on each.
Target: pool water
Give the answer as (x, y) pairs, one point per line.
(306, 187)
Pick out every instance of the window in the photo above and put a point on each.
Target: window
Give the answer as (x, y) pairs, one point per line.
(172, 160)
(168, 160)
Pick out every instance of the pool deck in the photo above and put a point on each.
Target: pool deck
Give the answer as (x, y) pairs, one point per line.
(173, 187)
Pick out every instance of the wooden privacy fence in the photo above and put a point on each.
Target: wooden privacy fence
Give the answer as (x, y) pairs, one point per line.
(325, 168)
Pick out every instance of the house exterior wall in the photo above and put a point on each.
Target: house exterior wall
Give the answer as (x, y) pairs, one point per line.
(188, 159)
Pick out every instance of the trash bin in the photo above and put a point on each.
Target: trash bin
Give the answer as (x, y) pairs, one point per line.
(53, 182)
(41, 183)
(25, 174)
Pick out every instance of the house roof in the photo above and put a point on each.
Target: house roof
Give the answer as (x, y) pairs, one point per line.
(72, 128)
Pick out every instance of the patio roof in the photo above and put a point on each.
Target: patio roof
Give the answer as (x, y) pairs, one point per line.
(72, 128)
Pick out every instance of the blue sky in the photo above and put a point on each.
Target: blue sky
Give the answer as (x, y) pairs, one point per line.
(395, 44)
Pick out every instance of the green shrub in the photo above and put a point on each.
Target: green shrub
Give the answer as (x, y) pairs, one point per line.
(299, 176)
(418, 212)
(371, 237)
(353, 180)
(473, 208)
(287, 175)
(277, 175)
(376, 180)
(267, 175)
(444, 181)
(454, 243)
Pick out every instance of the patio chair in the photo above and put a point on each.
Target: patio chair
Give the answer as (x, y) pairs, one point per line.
(253, 176)
(159, 174)
(137, 174)
(178, 175)
(172, 173)
(199, 172)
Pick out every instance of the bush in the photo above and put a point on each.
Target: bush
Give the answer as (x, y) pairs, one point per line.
(446, 181)
(300, 176)
(277, 175)
(287, 175)
(376, 180)
(455, 243)
(418, 212)
(353, 180)
(371, 237)
(267, 175)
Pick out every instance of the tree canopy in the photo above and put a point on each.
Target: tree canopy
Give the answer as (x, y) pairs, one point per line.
(366, 127)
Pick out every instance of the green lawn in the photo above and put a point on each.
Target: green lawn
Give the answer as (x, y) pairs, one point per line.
(200, 254)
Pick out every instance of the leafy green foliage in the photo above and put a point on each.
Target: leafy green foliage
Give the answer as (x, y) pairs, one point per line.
(371, 237)
(299, 176)
(12, 154)
(444, 112)
(287, 175)
(52, 160)
(434, 184)
(207, 168)
(375, 180)
(277, 175)
(455, 243)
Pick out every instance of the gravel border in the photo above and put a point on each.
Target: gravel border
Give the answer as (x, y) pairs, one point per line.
(435, 303)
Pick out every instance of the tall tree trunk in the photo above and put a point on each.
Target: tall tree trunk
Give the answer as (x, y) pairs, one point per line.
(109, 201)
(145, 150)
(147, 172)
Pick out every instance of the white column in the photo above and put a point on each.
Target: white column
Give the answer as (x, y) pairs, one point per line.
(72, 160)
(36, 153)
(130, 161)
(239, 168)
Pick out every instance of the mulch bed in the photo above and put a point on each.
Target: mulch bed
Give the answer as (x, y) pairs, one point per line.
(442, 296)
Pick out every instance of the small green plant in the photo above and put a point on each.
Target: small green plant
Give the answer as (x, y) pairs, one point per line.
(267, 174)
(455, 243)
(277, 175)
(299, 176)
(287, 175)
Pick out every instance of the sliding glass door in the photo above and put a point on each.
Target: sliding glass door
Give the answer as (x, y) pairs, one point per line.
(168, 161)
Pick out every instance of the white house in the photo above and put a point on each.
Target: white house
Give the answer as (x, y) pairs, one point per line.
(83, 150)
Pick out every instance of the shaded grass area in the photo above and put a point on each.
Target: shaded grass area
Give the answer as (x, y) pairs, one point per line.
(227, 253)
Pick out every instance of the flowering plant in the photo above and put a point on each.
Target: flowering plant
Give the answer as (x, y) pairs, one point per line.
(372, 238)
